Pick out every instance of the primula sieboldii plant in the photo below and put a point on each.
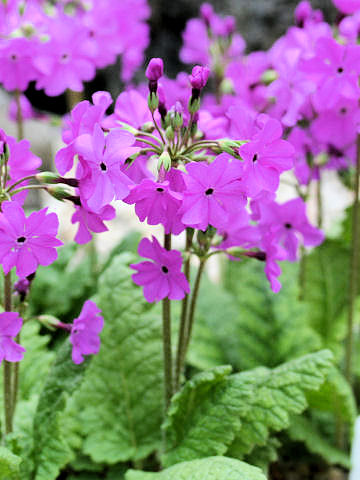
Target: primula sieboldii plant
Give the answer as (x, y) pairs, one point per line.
(201, 156)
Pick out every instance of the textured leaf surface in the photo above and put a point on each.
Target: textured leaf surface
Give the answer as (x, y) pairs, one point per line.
(326, 291)
(9, 465)
(215, 410)
(302, 429)
(51, 450)
(121, 399)
(213, 468)
(269, 328)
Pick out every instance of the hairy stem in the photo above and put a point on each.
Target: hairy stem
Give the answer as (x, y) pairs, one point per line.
(354, 267)
(7, 365)
(184, 308)
(319, 203)
(19, 116)
(166, 317)
(193, 303)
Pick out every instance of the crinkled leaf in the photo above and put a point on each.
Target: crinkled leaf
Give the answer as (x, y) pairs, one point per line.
(302, 429)
(51, 449)
(326, 291)
(215, 410)
(267, 329)
(212, 468)
(121, 399)
(9, 465)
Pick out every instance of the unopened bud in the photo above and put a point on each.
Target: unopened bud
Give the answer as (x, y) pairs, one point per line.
(269, 76)
(60, 193)
(194, 105)
(164, 161)
(50, 177)
(169, 132)
(147, 127)
(226, 86)
(153, 101)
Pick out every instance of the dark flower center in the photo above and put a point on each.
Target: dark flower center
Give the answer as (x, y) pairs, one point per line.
(288, 225)
(13, 57)
(159, 189)
(65, 56)
(340, 70)
(209, 191)
(343, 110)
(103, 166)
(21, 240)
(255, 157)
(165, 269)
(334, 151)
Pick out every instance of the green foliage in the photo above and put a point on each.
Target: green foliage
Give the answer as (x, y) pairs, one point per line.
(262, 456)
(215, 410)
(121, 399)
(51, 450)
(212, 468)
(70, 279)
(9, 465)
(326, 291)
(304, 430)
(268, 329)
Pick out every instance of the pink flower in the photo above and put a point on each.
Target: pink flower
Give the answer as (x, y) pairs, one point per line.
(10, 326)
(266, 156)
(158, 203)
(131, 107)
(17, 69)
(199, 76)
(274, 253)
(26, 243)
(101, 158)
(163, 277)
(286, 223)
(347, 6)
(155, 69)
(212, 192)
(91, 222)
(85, 330)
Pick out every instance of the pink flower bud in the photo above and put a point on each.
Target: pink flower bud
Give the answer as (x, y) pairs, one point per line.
(155, 69)
(199, 76)
(206, 12)
(302, 12)
(230, 25)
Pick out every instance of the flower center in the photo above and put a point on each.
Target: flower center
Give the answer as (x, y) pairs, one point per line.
(159, 189)
(103, 166)
(209, 191)
(165, 269)
(340, 70)
(343, 110)
(288, 225)
(13, 57)
(255, 157)
(21, 240)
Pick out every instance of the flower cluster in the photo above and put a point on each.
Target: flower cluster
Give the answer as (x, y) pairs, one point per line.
(60, 45)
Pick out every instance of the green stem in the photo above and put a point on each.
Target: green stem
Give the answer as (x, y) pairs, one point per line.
(29, 187)
(184, 308)
(157, 127)
(145, 140)
(302, 274)
(354, 267)
(166, 317)
(319, 203)
(29, 177)
(7, 365)
(201, 145)
(193, 303)
(19, 116)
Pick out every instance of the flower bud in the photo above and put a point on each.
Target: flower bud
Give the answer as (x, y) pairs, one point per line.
(199, 76)
(154, 71)
(169, 132)
(153, 102)
(269, 76)
(302, 12)
(229, 25)
(164, 161)
(50, 177)
(60, 193)
(194, 105)
(206, 12)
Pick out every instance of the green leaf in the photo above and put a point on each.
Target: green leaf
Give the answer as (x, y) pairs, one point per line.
(121, 399)
(336, 396)
(268, 329)
(262, 456)
(212, 468)
(304, 430)
(70, 278)
(51, 450)
(215, 410)
(9, 465)
(326, 291)
(278, 394)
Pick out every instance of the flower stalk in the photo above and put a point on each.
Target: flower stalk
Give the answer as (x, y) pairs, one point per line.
(166, 317)
(8, 407)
